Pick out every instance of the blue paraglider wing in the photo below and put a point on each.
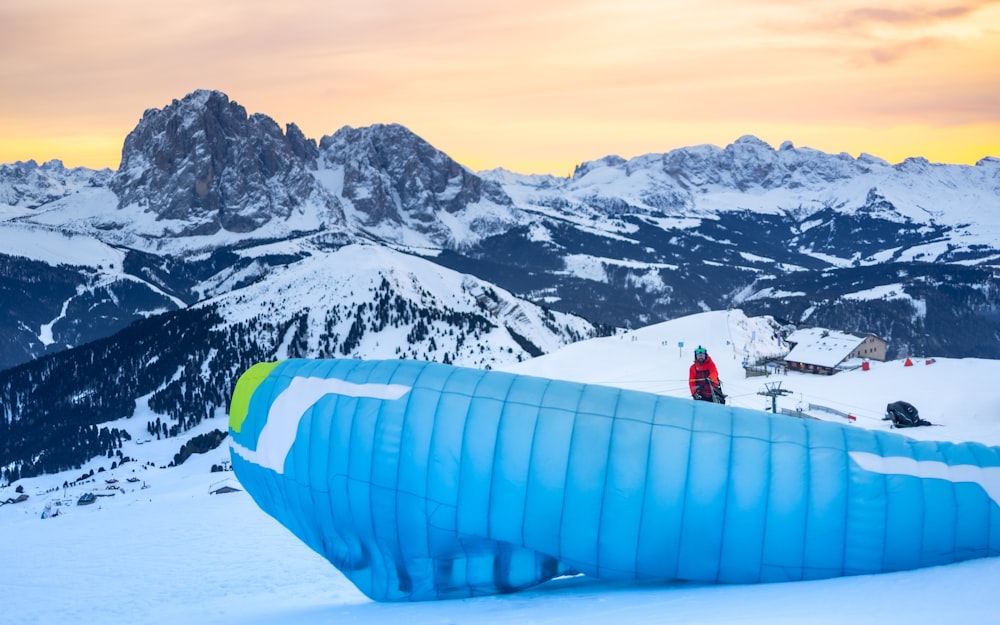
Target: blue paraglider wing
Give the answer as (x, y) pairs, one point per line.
(426, 481)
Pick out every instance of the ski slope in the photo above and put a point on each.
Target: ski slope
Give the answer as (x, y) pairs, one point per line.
(172, 552)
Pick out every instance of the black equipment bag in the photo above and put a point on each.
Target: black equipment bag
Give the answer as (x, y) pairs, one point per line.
(903, 415)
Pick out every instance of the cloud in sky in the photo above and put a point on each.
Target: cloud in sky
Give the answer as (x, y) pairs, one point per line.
(907, 15)
(532, 86)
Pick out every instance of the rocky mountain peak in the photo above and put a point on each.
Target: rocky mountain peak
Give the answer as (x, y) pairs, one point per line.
(587, 167)
(753, 163)
(750, 163)
(392, 175)
(204, 161)
(26, 184)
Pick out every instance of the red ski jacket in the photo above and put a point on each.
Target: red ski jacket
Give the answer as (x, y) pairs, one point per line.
(699, 374)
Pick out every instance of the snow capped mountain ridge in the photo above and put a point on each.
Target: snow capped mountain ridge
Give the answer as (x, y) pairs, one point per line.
(798, 180)
(405, 191)
(28, 185)
(203, 166)
(211, 199)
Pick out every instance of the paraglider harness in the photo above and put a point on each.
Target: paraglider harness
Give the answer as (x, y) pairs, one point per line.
(715, 393)
(903, 415)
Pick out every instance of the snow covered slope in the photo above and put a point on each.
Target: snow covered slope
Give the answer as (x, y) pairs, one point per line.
(368, 301)
(308, 297)
(173, 553)
(952, 393)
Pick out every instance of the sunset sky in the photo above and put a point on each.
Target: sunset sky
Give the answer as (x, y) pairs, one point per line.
(534, 86)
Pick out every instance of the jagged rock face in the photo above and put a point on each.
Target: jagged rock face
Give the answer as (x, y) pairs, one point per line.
(391, 174)
(671, 182)
(203, 161)
(29, 185)
(751, 163)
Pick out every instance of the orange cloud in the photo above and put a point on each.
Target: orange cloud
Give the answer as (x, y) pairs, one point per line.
(865, 17)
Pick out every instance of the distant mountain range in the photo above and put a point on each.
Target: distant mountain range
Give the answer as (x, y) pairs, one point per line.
(223, 239)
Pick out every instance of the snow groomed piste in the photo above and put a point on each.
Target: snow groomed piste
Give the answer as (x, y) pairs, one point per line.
(427, 481)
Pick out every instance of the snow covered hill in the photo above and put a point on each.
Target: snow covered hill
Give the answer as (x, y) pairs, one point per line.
(952, 393)
(368, 301)
(162, 549)
(308, 297)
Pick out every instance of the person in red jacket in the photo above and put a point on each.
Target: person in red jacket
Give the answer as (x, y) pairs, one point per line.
(704, 378)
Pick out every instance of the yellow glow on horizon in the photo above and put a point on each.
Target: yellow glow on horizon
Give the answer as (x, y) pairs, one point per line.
(92, 151)
(963, 146)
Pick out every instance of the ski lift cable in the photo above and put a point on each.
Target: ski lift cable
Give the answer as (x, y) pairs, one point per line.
(854, 409)
(679, 386)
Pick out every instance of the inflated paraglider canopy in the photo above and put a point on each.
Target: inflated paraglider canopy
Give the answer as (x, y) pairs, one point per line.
(426, 481)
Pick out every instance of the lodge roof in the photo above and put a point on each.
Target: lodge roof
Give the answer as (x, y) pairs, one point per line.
(822, 347)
